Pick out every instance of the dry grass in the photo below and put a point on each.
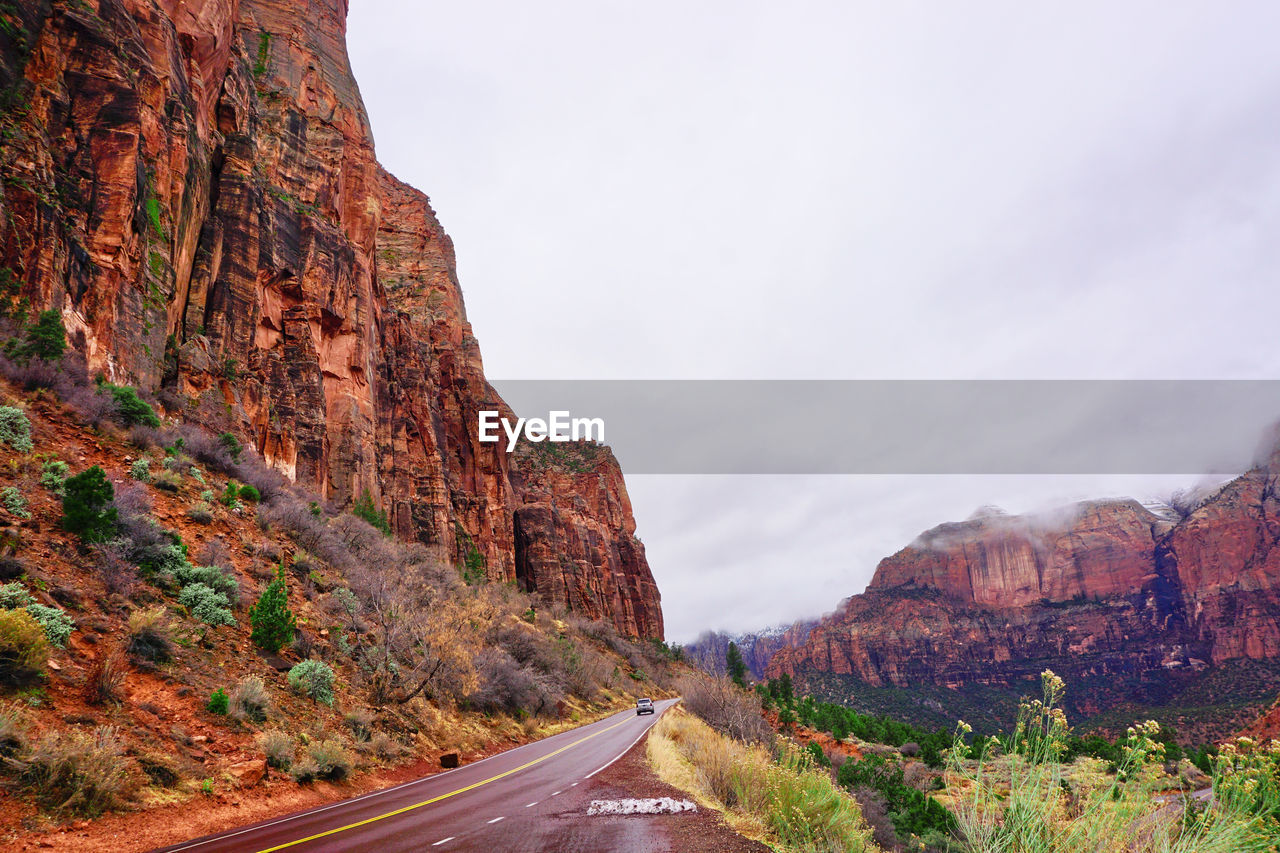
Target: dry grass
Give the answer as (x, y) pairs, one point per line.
(781, 802)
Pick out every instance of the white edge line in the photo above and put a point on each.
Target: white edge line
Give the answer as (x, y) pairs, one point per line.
(495, 820)
(625, 751)
(223, 837)
(443, 840)
(531, 805)
(556, 794)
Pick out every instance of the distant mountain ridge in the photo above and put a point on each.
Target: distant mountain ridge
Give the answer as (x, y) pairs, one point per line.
(757, 647)
(1134, 608)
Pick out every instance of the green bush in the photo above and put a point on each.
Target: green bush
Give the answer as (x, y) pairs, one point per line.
(133, 410)
(229, 495)
(206, 604)
(273, 622)
(213, 577)
(56, 623)
(140, 470)
(219, 703)
(87, 508)
(14, 502)
(313, 678)
(232, 445)
(249, 493)
(53, 476)
(14, 595)
(15, 429)
(24, 649)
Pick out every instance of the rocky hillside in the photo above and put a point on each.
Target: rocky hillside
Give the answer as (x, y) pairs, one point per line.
(193, 186)
(758, 648)
(1135, 610)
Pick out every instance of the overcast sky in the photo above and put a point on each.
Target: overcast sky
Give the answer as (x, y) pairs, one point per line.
(840, 190)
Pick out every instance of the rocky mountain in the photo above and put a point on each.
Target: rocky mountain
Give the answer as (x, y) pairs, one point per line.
(192, 185)
(1136, 610)
(758, 648)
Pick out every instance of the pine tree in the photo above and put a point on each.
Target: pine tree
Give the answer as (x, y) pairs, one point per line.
(272, 620)
(87, 507)
(734, 665)
(46, 337)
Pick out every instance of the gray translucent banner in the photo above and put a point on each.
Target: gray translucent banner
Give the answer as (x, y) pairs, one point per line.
(917, 427)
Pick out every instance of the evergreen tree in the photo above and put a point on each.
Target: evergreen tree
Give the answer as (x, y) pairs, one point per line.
(366, 509)
(87, 508)
(46, 338)
(272, 620)
(734, 665)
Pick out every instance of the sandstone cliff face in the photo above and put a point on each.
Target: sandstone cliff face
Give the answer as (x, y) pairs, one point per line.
(192, 183)
(1123, 603)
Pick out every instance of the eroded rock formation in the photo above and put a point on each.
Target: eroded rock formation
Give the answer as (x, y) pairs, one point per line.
(192, 183)
(1127, 605)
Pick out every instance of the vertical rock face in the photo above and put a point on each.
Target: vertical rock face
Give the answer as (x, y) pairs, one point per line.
(1127, 604)
(192, 183)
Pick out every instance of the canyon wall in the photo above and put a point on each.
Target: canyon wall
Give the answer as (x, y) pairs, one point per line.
(192, 184)
(1128, 605)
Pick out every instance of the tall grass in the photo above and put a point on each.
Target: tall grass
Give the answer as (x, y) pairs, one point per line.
(1028, 801)
(795, 806)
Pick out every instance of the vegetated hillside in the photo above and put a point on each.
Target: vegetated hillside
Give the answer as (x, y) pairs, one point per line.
(193, 187)
(757, 647)
(1138, 612)
(133, 670)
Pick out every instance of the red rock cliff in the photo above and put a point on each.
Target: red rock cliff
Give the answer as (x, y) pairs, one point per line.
(192, 183)
(1125, 603)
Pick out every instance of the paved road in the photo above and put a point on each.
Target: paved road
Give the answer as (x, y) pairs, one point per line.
(490, 805)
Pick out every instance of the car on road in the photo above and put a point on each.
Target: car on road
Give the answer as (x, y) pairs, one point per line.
(644, 706)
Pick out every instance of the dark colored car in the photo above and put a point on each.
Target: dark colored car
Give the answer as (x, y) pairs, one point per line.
(644, 706)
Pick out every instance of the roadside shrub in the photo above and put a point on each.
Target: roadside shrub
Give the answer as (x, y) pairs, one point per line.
(200, 512)
(132, 409)
(55, 622)
(727, 708)
(313, 678)
(170, 481)
(278, 748)
(24, 649)
(331, 759)
(248, 493)
(87, 508)
(105, 679)
(360, 723)
(249, 700)
(140, 470)
(79, 773)
(53, 476)
(273, 622)
(219, 703)
(14, 502)
(13, 595)
(214, 577)
(503, 684)
(14, 727)
(15, 429)
(149, 635)
(206, 604)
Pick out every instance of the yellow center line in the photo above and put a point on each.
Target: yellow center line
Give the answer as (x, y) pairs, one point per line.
(401, 811)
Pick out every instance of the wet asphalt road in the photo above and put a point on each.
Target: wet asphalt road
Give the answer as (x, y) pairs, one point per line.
(526, 798)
